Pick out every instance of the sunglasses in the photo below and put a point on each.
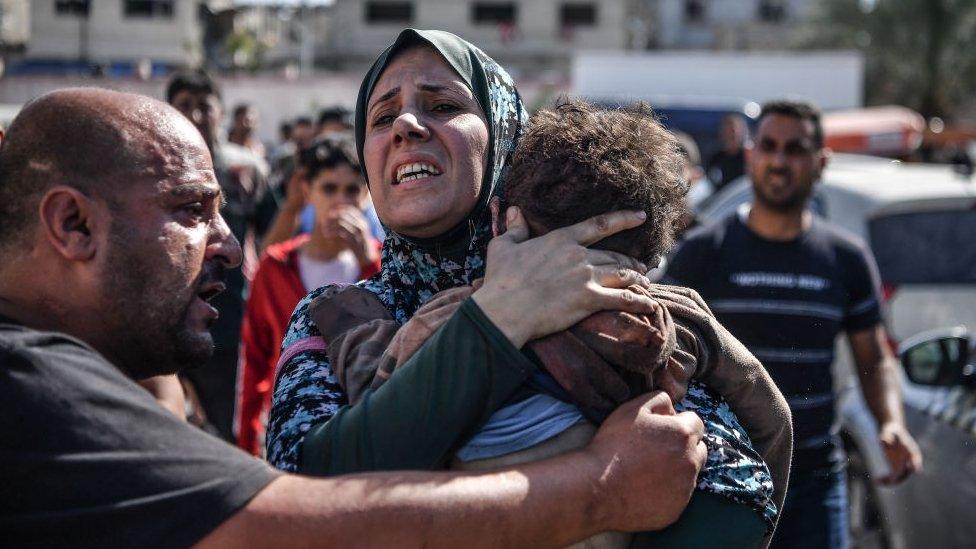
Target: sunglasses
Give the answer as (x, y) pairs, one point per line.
(331, 189)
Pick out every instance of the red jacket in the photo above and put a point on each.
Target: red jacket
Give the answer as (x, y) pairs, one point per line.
(275, 291)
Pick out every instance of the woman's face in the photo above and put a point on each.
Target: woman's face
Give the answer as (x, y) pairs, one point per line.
(426, 145)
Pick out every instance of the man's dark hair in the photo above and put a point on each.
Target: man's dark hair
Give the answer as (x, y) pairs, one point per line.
(241, 108)
(285, 129)
(327, 153)
(797, 109)
(303, 121)
(195, 81)
(578, 160)
(338, 114)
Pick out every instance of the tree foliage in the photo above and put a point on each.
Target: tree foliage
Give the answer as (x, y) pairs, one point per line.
(918, 53)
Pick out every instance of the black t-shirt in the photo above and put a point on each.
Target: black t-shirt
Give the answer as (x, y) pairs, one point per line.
(89, 459)
(787, 302)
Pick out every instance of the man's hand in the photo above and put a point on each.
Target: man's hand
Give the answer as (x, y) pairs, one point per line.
(539, 286)
(348, 224)
(650, 458)
(904, 457)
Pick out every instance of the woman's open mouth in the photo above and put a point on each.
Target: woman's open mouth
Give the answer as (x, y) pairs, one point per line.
(415, 171)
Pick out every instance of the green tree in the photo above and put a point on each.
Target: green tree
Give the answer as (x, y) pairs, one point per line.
(918, 53)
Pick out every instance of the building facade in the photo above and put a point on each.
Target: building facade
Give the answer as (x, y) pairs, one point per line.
(523, 34)
(14, 24)
(116, 31)
(721, 24)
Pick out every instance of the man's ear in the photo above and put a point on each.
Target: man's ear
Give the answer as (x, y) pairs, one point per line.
(825, 154)
(497, 220)
(69, 221)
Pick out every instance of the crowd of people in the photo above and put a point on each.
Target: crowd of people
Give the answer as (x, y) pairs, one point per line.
(437, 290)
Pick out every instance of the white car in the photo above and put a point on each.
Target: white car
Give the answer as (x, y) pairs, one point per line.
(920, 222)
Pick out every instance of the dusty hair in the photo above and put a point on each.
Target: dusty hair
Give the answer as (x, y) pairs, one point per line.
(578, 160)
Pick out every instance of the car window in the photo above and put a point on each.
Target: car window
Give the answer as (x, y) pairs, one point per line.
(934, 247)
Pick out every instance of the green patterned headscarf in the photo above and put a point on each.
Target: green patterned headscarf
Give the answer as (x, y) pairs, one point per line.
(414, 269)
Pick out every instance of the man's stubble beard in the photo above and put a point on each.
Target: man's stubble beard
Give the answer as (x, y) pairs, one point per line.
(150, 322)
(796, 201)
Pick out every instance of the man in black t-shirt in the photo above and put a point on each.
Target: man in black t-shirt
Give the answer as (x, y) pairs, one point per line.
(786, 284)
(111, 245)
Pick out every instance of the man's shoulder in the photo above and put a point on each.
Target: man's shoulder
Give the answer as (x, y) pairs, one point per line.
(281, 252)
(36, 361)
(710, 232)
(837, 237)
(232, 155)
(16, 339)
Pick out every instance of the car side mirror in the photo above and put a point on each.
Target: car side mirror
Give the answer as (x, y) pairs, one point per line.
(938, 359)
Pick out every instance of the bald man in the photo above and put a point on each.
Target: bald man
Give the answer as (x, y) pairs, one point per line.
(111, 246)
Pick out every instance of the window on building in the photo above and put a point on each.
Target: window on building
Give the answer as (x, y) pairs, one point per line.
(148, 8)
(493, 12)
(694, 11)
(72, 7)
(772, 11)
(389, 12)
(577, 15)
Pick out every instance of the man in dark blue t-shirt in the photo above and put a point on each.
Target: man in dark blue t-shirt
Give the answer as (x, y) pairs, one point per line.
(786, 284)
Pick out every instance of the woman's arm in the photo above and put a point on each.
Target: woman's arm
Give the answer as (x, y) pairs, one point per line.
(465, 372)
(438, 398)
(638, 473)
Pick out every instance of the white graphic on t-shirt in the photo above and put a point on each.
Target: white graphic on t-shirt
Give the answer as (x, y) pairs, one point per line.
(779, 280)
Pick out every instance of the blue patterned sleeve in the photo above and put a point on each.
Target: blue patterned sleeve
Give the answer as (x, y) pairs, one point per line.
(306, 392)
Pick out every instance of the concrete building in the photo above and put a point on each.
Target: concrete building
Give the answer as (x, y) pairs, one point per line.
(521, 34)
(14, 24)
(721, 24)
(289, 34)
(124, 31)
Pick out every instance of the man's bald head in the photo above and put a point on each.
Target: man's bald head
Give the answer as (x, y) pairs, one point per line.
(97, 141)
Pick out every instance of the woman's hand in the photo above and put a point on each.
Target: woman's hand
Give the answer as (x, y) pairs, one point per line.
(539, 286)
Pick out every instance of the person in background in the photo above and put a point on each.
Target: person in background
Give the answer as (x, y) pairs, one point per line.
(334, 120)
(699, 187)
(340, 250)
(786, 284)
(285, 148)
(302, 133)
(728, 163)
(244, 123)
(248, 211)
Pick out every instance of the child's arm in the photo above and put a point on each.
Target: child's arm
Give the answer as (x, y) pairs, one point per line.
(725, 365)
(365, 345)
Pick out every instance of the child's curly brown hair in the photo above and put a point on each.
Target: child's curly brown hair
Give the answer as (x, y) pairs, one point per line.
(577, 160)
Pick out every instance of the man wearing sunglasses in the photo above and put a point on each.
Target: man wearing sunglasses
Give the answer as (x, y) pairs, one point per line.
(340, 249)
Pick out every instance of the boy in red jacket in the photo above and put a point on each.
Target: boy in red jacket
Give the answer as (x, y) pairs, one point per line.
(341, 249)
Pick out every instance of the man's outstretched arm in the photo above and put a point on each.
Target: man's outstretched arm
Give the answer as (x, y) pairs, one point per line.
(638, 473)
